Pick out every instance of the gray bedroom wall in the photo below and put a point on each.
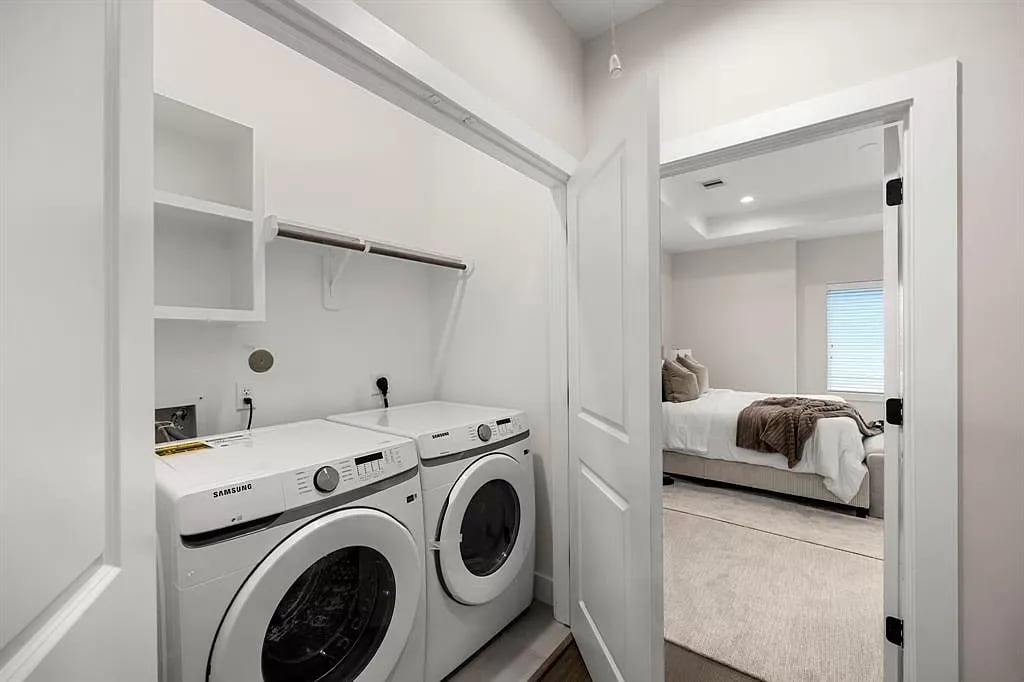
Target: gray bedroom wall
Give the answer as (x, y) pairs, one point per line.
(755, 314)
(736, 308)
(667, 311)
(723, 61)
(820, 262)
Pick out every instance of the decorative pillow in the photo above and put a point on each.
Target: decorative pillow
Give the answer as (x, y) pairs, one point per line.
(664, 396)
(674, 352)
(700, 370)
(678, 383)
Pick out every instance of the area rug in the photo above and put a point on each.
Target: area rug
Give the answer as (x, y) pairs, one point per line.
(762, 593)
(778, 515)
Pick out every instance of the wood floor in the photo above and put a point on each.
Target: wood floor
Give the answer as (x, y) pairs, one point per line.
(681, 665)
(568, 667)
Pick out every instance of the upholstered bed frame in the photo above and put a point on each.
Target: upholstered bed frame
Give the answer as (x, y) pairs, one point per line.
(868, 500)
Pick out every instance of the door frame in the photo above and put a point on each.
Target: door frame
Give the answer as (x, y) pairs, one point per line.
(926, 101)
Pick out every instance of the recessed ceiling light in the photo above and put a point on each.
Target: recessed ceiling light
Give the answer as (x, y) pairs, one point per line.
(747, 199)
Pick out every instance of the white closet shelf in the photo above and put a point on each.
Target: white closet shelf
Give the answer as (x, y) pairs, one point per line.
(174, 312)
(182, 203)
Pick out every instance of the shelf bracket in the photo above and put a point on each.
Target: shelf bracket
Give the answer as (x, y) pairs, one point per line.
(334, 266)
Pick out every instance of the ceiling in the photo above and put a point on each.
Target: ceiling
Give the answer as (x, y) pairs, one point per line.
(826, 188)
(591, 18)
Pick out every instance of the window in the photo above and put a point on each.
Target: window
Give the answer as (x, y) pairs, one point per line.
(855, 318)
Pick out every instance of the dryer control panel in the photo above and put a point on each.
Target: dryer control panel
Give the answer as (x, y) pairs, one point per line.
(490, 432)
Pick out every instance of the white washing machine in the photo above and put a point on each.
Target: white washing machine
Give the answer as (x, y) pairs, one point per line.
(291, 553)
(478, 505)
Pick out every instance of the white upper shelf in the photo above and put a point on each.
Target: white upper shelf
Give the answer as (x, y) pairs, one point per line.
(187, 203)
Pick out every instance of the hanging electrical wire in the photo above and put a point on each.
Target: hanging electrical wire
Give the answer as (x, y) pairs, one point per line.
(614, 63)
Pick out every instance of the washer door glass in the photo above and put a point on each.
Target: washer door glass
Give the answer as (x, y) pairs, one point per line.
(335, 600)
(490, 527)
(332, 620)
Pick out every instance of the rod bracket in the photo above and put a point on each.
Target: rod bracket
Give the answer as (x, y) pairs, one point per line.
(333, 266)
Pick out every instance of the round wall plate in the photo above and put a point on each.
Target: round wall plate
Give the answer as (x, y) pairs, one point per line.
(261, 360)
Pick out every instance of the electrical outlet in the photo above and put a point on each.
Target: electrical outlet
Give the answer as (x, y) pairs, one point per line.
(243, 391)
(375, 392)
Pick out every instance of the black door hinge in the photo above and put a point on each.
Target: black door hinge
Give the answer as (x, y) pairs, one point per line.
(894, 192)
(894, 630)
(894, 411)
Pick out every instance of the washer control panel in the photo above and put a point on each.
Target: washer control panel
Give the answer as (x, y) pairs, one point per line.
(326, 479)
(337, 477)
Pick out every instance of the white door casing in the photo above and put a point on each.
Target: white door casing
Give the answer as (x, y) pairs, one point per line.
(463, 585)
(237, 647)
(77, 549)
(892, 253)
(614, 396)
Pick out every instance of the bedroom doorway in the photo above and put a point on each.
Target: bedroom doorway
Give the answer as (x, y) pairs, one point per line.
(781, 335)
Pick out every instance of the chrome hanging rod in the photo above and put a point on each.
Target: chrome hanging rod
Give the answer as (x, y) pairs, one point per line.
(291, 229)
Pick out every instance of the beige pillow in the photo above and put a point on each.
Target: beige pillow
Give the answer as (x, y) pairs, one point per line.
(678, 383)
(700, 370)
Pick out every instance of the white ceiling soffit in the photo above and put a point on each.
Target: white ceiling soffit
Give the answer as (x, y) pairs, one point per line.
(591, 18)
(348, 40)
(825, 188)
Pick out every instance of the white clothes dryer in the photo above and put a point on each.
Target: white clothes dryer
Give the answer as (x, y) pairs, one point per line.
(478, 497)
(291, 553)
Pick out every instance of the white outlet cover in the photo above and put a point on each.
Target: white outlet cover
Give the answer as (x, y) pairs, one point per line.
(241, 391)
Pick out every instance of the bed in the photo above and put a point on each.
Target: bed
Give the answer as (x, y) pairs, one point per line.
(700, 442)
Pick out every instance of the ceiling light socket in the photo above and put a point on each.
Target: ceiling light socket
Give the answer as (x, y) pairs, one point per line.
(747, 199)
(614, 66)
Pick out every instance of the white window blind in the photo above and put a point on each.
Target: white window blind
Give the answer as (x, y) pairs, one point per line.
(856, 339)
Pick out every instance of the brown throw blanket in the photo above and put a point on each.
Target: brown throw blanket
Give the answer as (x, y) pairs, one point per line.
(784, 424)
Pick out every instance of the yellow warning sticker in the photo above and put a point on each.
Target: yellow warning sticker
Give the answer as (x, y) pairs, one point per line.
(181, 448)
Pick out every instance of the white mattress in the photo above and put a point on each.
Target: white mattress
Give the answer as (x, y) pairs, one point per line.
(707, 427)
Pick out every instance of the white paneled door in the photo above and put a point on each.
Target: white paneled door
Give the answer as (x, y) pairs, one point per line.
(77, 578)
(614, 396)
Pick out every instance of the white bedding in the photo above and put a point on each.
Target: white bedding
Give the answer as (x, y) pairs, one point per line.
(707, 427)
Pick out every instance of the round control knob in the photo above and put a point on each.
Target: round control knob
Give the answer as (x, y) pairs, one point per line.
(484, 432)
(326, 479)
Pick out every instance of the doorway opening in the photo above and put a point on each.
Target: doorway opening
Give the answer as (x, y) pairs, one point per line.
(777, 355)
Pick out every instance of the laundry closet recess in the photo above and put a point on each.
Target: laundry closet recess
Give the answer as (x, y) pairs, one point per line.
(247, 129)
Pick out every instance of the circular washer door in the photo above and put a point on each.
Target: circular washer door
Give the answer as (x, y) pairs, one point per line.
(486, 529)
(335, 601)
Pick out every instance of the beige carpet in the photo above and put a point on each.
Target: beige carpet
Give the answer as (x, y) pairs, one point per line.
(749, 585)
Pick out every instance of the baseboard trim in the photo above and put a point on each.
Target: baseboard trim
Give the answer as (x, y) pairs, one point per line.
(544, 589)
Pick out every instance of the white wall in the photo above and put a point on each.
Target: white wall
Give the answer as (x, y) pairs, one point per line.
(720, 62)
(496, 350)
(522, 54)
(820, 262)
(336, 155)
(736, 308)
(325, 361)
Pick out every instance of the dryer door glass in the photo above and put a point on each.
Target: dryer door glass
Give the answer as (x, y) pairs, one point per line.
(332, 619)
(490, 527)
